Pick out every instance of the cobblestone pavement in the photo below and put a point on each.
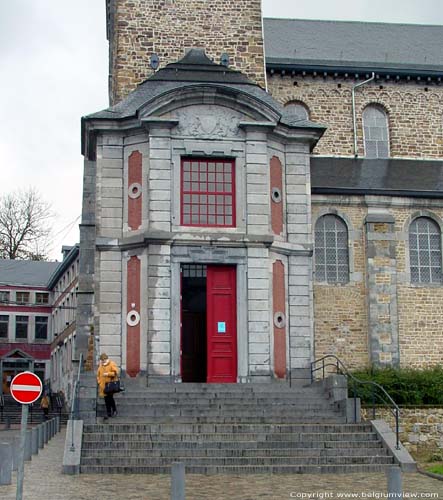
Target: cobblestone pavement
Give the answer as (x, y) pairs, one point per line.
(44, 481)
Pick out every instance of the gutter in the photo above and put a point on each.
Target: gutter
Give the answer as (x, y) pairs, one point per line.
(354, 119)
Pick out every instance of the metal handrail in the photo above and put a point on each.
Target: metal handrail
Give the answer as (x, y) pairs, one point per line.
(385, 397)
(74, 402)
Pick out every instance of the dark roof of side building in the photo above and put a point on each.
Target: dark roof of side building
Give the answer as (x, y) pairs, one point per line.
(395, 177)
(353, 45)
(26, 272)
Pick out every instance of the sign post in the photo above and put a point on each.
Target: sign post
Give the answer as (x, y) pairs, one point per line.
(25, 388)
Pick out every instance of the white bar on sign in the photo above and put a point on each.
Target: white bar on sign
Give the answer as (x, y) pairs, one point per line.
(33, 388)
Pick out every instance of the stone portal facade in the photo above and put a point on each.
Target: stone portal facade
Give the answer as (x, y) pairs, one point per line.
(330, 210)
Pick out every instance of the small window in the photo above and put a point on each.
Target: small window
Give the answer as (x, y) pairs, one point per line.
(4, 326)
(425, 251)
(41, 298)
(297, 110)
(21, 327)
(41, 327)
(331, 250)
(22, 297)
(375, 132)
(4, 297)
(207, 193)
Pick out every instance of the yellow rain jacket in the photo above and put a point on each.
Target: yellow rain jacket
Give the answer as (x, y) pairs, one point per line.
(106, 373)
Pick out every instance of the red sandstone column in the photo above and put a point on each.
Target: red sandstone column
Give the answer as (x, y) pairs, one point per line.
(279, 302)
(135, 190)
(276, 196)
(133, 317)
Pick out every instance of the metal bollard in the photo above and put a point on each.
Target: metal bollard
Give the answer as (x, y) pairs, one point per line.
(58, 424)
(5, 463)
(45, 432)
(51, 428)
(41, 437)
(34, 441)
(28, 445)
(178, 481)
(395, 489)
(7, 423)
(15, 452)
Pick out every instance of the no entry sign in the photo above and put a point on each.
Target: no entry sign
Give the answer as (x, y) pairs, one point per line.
(26, 388)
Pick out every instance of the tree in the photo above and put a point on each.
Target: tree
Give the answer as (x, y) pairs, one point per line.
(25, 225)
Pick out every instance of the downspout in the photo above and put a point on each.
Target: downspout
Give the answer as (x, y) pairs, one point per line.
(354, 119)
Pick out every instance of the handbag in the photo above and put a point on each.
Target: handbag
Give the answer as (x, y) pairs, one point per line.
(112, 387)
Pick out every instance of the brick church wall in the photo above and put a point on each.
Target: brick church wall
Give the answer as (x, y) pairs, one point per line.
(139, 28)
(341, 311)
(414, 112)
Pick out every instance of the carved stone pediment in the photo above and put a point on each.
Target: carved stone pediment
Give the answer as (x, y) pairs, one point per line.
(207, 122)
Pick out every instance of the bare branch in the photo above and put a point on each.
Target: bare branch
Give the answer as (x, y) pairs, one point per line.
(25, 225)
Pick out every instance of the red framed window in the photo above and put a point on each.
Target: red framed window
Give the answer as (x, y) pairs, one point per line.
(207, 192)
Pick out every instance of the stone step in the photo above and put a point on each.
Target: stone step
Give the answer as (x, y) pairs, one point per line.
(205, 400)
(149, 453)
(206, 437)
(228, 405)
(238, 461)
(203, 387)
(335, 418)
(300, 415)
(233, 445)
(240, 470)
(226, 428)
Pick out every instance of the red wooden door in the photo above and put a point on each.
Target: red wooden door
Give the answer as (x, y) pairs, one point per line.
(221, 309)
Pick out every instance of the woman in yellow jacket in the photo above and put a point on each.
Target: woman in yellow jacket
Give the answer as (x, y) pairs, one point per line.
(107, 372)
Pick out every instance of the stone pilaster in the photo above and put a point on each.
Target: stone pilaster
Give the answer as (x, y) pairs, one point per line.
(382, 290)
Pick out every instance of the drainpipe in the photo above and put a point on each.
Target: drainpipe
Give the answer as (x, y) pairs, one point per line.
(354, 119)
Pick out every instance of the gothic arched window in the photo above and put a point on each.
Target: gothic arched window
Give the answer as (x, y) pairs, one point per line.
(375, 132)
(331, 250)
(425, 251)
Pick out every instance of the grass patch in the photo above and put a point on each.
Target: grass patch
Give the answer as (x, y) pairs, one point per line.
(435, 468)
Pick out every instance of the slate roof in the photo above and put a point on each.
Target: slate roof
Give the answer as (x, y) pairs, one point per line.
(195, 69)
(397, 177)
(353, 44)
(26, 273)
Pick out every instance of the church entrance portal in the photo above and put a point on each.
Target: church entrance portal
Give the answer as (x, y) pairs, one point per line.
(208, 323)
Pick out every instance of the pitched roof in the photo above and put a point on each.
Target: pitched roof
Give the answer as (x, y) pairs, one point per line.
(26, 272)
(397, 177)
(353, 44)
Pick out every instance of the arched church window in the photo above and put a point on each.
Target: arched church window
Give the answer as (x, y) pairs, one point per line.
(425, 251)
(375, 132)
(331, 250)
(298, 110)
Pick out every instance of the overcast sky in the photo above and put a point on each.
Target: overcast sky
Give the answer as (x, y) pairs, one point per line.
(54, 69)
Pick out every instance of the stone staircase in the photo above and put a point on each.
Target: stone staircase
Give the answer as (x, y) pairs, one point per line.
(230, 428)
(11, 411)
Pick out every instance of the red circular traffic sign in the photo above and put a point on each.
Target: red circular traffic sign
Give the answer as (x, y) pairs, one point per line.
(26, 388)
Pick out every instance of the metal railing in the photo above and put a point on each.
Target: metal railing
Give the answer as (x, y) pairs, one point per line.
(75, 402)
(376, 390)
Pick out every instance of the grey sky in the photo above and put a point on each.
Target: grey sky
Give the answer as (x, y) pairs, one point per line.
(54, 69)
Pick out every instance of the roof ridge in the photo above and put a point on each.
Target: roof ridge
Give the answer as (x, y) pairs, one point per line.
(348, 21)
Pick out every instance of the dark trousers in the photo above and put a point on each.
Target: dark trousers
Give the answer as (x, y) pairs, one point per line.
(110, 404)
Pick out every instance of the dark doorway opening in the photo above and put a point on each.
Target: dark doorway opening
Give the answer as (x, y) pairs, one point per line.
(193, 331)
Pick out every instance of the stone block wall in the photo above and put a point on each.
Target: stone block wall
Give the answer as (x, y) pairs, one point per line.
(414, 113)
(139, 28)
(410, 329)
(421, 428)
